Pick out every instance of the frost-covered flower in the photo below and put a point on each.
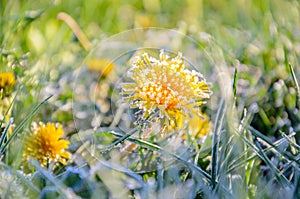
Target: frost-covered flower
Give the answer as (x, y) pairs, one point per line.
(45, 143)
(165, 86)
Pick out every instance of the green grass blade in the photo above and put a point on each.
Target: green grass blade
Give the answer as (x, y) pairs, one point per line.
(285, 154)
(255, 145)
(121, 139)
(10, 106)
(4, 133)
(124, 170)
(154, 147)
(281, 178)
(234, 82)
(240, 161)
(21, 125)
(296, 191)
(28, 182)
(260, 153)
(21, 176)
(291, 139)
(215, 142)
(61, 188)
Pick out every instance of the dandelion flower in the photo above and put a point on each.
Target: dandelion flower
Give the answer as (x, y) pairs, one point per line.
(194, 126)
(166, 86)
(198, 127)
(45, 144)
(7, 82)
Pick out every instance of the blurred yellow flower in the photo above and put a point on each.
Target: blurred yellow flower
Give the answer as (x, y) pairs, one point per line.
(195, 126)
(45, 143)
(166, 86)
(144, 20)
(198, 127)
(5, 108)
(101, 66)
(7, 82)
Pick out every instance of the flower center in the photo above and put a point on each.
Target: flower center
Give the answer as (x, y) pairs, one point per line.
(160, 95)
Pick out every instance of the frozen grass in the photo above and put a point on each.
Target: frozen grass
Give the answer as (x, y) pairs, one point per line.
(248, 50)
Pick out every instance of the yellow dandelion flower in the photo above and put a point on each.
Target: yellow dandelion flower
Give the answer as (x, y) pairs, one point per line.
(166, 86)
(7, 82)
(198, 127)
(45, 144)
